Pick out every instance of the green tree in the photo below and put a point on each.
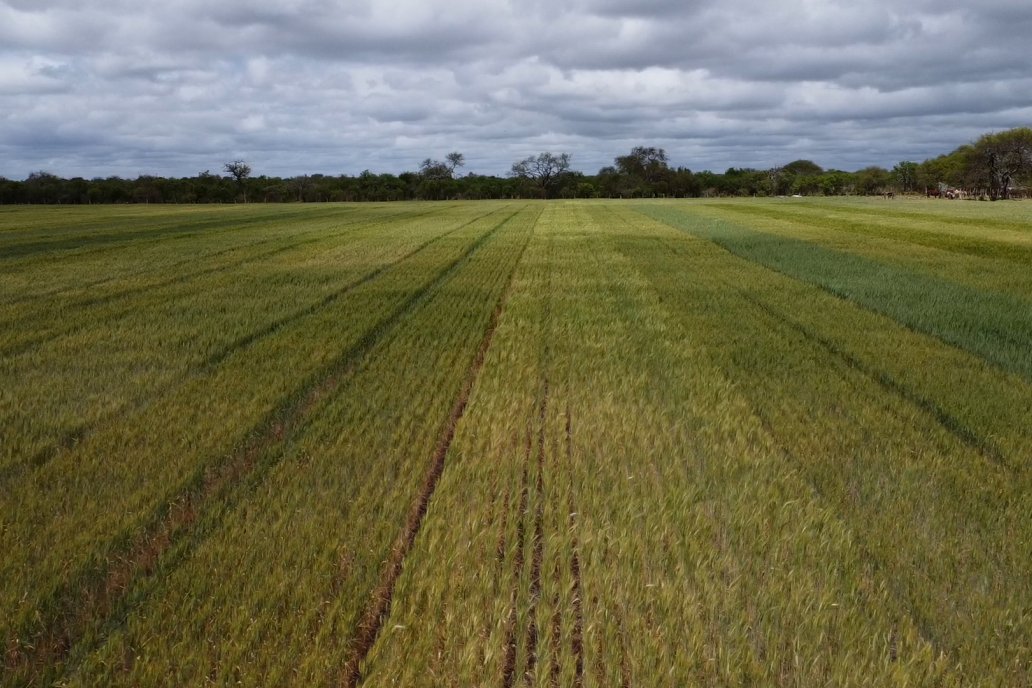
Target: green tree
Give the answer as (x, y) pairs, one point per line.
(871, 180)
(999, 159)
(644, 162)
(905, 174)
(951, 169)
(803, 168)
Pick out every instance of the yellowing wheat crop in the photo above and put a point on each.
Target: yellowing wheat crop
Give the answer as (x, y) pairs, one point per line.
(780, 442)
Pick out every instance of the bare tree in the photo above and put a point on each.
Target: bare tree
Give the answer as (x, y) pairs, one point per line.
(545, 170)
(455, 160)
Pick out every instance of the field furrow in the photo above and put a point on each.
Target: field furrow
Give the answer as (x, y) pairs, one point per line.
(994, 326)
(364, 447)
(119, 510)
(377, 609)
(778, 442)
(172, 227)
(54, 414)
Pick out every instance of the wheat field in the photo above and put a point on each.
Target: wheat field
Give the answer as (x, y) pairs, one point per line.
(728, 442)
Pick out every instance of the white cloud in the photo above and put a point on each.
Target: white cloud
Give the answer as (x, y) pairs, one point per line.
(341, 85)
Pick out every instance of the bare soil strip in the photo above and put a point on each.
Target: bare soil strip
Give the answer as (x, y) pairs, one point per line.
(97, 595)
(379, 605)
(539, 543)
(577, 641)
(556, 638)
(511, 646)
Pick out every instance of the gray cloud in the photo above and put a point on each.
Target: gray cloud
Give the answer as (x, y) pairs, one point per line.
(335, 86)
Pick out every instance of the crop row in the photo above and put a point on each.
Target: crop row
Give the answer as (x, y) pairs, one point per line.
(972, 252)
(935, 492)
(277, 592)
(994, 326)
(577, 444)
(72, 520)
(665, 479)
(110, 356)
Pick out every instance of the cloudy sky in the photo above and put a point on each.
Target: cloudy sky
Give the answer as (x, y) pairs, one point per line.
(101, 87)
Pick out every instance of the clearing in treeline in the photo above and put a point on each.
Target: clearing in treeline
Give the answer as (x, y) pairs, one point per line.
(740, 442)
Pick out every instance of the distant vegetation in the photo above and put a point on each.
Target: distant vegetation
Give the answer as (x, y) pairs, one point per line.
(998, 165)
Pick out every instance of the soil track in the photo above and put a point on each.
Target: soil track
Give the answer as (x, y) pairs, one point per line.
(511, 646)
(539, 543)
(97, 597)
(80, 433)
(577, 641)
(378, 608)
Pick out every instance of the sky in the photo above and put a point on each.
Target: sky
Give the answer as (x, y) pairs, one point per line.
(95, 88)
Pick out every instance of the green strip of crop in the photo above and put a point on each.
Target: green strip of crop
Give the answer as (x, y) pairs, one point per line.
(995, 327)
(925, 507)
(890, 241)
(872, 224)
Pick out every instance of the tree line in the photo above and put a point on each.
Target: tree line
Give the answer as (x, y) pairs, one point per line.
(996, 166)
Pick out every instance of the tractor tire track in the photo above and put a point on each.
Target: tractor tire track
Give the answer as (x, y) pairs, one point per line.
(26, 345)
(952, 243)
(1001, 341)
(577, 638)
(556, 636)
(378, 608)
(923, 625)
(511, 646)
(944, 418)
(193, 260)
(96, 599)
(212, 361)
(345, 220)
(117, 241)
(538, 551)
(953, 425)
